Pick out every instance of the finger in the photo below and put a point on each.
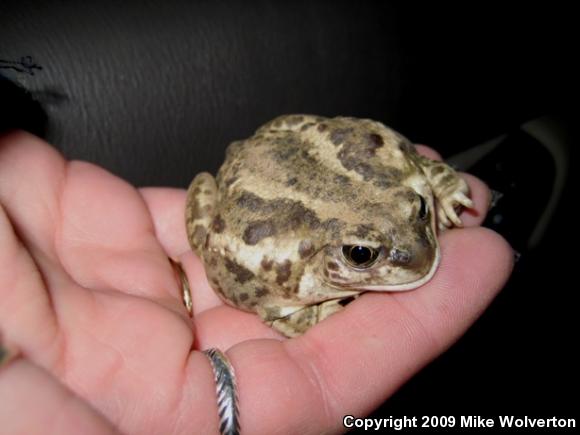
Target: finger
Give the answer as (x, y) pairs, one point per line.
(355, 359)
(203, 297)
(106, 240)
(166, 206)
(428, 152)
(224, 326)
(26, 315)
(480, 195)
(32, 401)
(100, 219)
(167, 209)
(397, 334)
(30, 179)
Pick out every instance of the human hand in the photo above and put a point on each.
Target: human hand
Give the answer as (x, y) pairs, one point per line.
(91, 301)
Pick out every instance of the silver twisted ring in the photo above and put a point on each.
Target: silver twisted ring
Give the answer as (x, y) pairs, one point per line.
(227, 397)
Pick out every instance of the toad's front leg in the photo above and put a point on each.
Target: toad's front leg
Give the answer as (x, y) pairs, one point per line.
(450, 191)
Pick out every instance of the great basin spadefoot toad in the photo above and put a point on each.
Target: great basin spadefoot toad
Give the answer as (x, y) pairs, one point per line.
(310, 212)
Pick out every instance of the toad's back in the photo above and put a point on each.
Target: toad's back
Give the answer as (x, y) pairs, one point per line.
(329, 165)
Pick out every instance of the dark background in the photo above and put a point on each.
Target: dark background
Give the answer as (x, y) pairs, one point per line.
(154, 91)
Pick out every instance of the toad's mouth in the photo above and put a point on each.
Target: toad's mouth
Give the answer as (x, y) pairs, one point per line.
(408, 285)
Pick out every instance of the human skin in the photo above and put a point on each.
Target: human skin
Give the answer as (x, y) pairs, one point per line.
(89, 298)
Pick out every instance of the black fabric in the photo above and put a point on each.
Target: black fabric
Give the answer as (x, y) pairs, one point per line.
(154, 91)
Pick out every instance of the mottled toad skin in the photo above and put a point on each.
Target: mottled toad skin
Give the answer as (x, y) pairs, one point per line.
(277, 226)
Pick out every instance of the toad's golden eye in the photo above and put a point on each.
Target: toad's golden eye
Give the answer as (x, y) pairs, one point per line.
(359, 256)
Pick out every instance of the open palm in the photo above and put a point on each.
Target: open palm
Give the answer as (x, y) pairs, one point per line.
(89, 297)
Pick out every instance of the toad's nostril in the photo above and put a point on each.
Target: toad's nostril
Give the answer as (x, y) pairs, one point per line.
(398, 256)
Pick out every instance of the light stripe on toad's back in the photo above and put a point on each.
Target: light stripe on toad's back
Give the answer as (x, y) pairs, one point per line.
(309, 170)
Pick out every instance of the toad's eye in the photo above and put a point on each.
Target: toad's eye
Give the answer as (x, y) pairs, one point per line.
(423, 208)
(360, 256)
